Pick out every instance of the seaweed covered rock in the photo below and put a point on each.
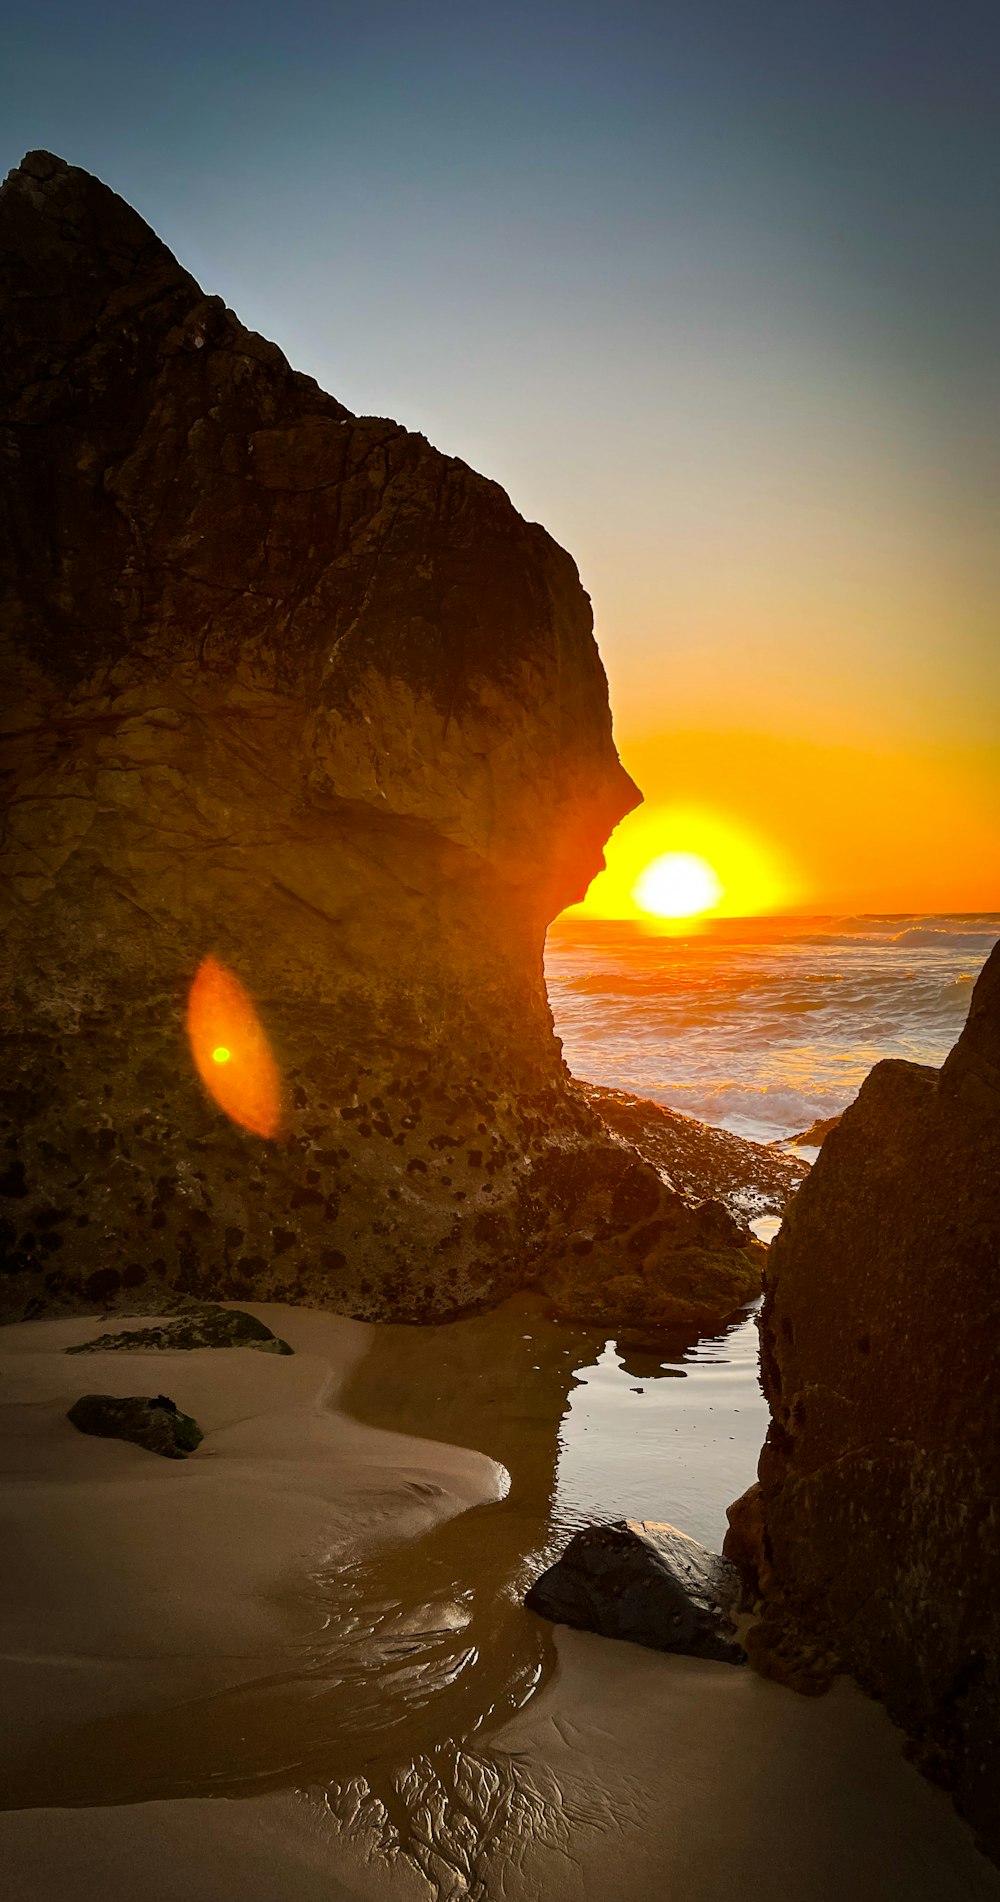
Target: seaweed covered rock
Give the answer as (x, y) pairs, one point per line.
(878, 1540)
(647, 1583)
(154, 1422)
(307, 740)
(204, 1324)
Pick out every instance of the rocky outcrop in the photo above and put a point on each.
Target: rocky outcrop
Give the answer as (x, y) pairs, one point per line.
(815, 1136)
(152, 1422)
(647, 1583)
(204, 1324)
(306, 740)
(749, 1178)
(878, 1543)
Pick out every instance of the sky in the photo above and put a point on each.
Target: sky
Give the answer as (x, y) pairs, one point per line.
(712, 289)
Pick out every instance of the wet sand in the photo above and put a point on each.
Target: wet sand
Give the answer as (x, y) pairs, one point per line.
(137, 1584)
(328, 1612)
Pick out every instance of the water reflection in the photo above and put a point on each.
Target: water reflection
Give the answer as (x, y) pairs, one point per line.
(667, 1430)
(424, 1650)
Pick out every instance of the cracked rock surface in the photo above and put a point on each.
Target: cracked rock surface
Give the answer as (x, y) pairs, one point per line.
(876, 1532)
(287, 689)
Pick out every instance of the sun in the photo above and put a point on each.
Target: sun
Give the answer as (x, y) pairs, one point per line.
(678, 885)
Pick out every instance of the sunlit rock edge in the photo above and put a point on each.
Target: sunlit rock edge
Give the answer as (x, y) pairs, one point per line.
(289, 689)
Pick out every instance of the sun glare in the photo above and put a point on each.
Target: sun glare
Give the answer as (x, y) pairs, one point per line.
(688, 862)
(678, 885)
(231, 1051)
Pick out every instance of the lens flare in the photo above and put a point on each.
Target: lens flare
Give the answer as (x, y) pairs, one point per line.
(230, 1050)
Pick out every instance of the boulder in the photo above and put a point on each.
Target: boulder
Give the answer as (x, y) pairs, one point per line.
(880, 1477)
(204, 1324)
(307, 741)
(152, 1422)
(647, 1583)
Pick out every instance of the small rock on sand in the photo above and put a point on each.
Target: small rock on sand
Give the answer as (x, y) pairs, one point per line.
(154, 1422)
(206, 1325)
(647, 1583)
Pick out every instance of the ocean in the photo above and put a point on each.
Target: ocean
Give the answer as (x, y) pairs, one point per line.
(761, 1026)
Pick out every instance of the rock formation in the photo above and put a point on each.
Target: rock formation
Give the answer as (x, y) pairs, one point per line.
(878, 1538)
(203, 1324)
(749, 1178)
(815, 1136)
(152, 1421)
(307, 736)
(646, 1583)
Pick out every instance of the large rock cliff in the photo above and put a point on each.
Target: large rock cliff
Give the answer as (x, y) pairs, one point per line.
(878, 1540)
(307, 739)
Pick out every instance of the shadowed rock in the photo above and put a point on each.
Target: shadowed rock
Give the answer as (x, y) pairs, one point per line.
(154, 1423)
(877, 1547)
(202, 1326)
(646, 1583)
(287, 689)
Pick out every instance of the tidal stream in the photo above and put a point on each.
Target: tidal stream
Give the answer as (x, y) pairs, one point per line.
(426, 1648)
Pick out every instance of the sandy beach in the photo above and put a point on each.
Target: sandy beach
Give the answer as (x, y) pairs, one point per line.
(133, 1586)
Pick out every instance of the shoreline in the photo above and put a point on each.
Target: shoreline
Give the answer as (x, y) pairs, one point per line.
(628, 1770)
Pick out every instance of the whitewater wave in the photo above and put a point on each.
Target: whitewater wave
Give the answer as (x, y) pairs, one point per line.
(761, 1036)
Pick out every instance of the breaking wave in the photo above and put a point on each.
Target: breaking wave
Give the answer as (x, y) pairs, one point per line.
(762, 1031)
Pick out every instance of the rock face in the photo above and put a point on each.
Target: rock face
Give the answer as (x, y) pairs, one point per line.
(306, 726)
(153, 1422)
(646, 1583)
(880, 1479)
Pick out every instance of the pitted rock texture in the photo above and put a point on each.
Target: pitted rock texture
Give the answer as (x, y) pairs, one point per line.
(878, 1540)
(286, 688)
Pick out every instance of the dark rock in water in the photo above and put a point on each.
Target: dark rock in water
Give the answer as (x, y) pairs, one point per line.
(879, 1542)
(204, 1325)
(750, 1178)
(155, 1423)
(302, 708)
(646, 1583)
(815, 1136)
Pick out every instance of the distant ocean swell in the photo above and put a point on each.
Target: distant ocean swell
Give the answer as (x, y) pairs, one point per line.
(763, 1029)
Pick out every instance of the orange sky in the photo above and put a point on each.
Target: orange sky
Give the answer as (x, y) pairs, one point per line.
(711, 292)
(796, 825)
